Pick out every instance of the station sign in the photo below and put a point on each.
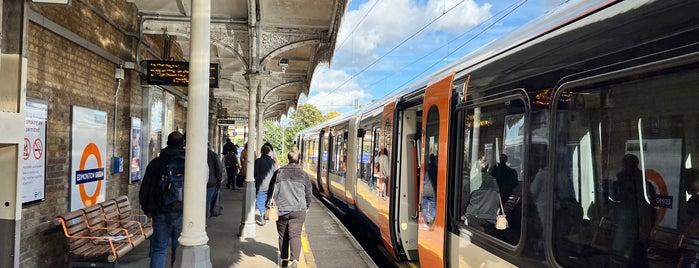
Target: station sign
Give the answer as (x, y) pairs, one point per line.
(175, 73)
(226, 122)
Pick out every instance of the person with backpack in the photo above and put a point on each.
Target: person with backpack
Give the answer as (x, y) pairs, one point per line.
(161, 195)
(232, 164)
(227, 147)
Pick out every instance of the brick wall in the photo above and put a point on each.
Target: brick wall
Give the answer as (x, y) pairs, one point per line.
(64, 74)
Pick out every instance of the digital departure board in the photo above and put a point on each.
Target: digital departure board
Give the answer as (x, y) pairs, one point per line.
(175, 73)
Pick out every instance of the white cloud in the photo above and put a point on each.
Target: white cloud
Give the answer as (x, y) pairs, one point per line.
(328, 93)
(391, 21)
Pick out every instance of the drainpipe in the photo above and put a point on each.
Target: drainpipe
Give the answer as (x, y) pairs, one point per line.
(119, 75)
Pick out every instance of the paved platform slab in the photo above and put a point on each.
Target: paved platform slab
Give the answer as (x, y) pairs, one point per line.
(326, 243)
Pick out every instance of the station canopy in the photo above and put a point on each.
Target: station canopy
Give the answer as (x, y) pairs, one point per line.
(279, 42)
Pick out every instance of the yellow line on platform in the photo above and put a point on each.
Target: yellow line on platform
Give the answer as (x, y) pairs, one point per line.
(307, 254)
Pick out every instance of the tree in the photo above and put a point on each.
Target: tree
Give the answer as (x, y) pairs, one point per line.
(305, 116)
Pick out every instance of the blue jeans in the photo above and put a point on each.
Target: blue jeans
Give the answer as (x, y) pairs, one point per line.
(209, 198)
(261, 199)
(166, 229)
(429, 209)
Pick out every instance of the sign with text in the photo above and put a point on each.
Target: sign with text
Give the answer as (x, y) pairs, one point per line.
(34, 151)
(88, 157)
(175, 73)
(226, 122)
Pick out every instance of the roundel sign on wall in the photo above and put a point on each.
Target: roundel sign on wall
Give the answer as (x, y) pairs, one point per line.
(83, 176)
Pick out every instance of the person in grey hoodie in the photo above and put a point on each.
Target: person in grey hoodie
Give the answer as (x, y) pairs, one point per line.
(293, 197)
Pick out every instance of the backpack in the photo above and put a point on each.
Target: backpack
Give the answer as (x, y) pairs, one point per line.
(172, 184)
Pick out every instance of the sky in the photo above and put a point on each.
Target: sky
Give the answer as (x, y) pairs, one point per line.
(386, 45)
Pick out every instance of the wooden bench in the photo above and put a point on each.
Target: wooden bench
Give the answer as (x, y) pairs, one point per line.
(98, 235)
(93, 246)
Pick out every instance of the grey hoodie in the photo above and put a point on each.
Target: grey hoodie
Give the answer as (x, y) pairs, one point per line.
(294, 191)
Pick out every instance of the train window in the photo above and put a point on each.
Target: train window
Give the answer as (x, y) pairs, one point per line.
(366, 158)
(325, 144)
(493, 156)
(376, 181)
(625, 190)
(312, 153)
(430, 183)
(384, 160)
(339, 152)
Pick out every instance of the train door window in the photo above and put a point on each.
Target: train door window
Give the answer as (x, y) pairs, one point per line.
(366, 158)
(324, 155)
(625, 174)
(492, 168)
(339, 157)
(376, 181)
(385, 159)
(313, 153)
(430, 186)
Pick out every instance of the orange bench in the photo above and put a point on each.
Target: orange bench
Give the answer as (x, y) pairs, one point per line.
(100, 234)
(93, 246)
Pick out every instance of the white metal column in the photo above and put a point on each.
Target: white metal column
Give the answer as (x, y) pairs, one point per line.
(247, 224)
(194, 251)
(260, 126)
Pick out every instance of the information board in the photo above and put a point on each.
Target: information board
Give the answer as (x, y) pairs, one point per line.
(176, 73)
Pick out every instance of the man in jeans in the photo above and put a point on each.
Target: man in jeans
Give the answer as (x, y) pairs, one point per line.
(264, 169)
(167, 221)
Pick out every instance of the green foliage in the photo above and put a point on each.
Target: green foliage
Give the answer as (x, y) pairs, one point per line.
(306, 115)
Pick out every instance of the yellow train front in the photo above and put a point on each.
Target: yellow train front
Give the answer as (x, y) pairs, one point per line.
(579, 130)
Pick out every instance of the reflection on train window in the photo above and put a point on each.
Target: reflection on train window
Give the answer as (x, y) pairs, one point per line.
(375, 183)
(339, 157)
(429, 184)
(324, 155)
(365, 159)
(625, 177)
(339, 154)
(312, 153)
(493, 167)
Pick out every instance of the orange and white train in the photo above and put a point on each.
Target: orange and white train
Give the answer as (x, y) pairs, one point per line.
(582, 129)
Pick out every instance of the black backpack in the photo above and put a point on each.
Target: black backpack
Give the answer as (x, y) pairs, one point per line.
(172, 183)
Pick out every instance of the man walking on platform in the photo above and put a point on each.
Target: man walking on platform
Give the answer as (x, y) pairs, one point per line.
(161, 197)
(215, 177)
(232, 164)
(227, 147)
(264, 169)
(293, 197)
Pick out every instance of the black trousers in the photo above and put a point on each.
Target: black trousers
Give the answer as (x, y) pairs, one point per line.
(289, 227)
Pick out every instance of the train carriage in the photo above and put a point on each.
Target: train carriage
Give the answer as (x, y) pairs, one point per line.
(579, 129)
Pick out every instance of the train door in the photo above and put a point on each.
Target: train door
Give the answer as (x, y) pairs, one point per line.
(406, 201)
(324, 162)
(386, 178)
(319, 167)
(435, 124)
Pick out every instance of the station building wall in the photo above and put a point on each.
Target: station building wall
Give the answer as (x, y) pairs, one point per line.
(63, 73)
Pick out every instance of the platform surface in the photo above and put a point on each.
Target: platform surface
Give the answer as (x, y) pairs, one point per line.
(326, 243)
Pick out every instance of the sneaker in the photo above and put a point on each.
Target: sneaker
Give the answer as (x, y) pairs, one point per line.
(285, 263)
(294, 264)
(266, 222)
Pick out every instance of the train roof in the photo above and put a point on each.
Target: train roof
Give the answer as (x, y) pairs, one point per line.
(572, 38)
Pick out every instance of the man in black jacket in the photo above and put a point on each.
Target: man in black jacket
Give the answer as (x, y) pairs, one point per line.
(215, 177)
(293, 197)
(167, 221)
(264, 169)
